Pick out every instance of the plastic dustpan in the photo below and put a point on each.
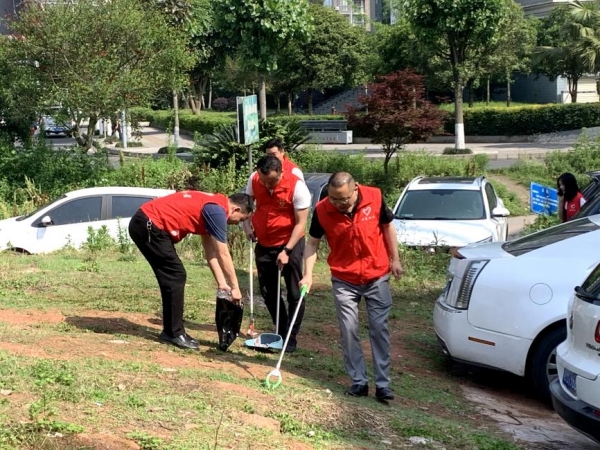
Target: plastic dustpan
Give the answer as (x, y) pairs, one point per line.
(266, 341)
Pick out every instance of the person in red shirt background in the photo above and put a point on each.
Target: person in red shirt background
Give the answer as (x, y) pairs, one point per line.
(570, 198)
(363, 251)
(274, 147)
(162, 222)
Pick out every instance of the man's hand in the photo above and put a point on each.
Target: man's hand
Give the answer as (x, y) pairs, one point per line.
(397, 269)
(282, 259)
(236, 295)
(306, 281)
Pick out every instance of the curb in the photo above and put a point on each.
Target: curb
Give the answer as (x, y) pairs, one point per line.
(133, 154)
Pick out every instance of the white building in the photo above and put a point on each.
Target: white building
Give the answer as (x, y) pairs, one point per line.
(358, 12)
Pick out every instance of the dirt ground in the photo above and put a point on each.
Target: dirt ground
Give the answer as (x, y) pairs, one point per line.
(501, 398)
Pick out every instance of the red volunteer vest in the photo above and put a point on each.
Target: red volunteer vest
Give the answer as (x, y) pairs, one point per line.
(358, 252)
(180, 214)
(572, 207)
(274, 218)
(287, 165)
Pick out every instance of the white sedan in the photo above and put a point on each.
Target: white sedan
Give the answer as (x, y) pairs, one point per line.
(505, 304)
(450, 212)
(66, 220)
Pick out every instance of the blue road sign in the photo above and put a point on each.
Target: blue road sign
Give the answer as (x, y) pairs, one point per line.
(543, 199)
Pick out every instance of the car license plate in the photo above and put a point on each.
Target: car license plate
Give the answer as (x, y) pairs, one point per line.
(570, 381)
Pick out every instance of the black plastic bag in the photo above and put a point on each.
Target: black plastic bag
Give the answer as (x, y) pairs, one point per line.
(228, 317)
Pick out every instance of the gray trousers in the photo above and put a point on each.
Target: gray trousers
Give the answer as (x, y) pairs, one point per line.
(378, 298)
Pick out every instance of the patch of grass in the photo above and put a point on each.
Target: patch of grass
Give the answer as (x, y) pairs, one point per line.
(480, 105)
(511, 200)
(101, 367)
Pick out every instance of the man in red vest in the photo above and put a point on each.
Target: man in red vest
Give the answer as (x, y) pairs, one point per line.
(278, 225)
(364, 250)
(161, 223)
(274, 147)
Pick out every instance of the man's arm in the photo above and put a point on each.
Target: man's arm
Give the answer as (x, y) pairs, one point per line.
(310, 258)
(221, 265)
(391, 241)
(301, 202)
(247, 224)
(315, 234)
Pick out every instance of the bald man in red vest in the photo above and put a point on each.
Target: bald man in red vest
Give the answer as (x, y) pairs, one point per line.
(159, 224)
(364, 251)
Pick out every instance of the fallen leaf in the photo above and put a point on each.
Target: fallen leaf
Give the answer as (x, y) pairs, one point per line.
(121, 387)
(5, 391)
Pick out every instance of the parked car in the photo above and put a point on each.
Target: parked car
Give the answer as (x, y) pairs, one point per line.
(317, 185)
(505, 304)
(66, 220)
(450, 212)
(54, 128)
(576, 390)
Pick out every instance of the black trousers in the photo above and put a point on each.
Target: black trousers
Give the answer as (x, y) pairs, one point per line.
(168, 268)
(266, 265)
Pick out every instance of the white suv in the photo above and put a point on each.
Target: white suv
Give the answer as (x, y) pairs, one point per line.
(450, 212)
(576, 391)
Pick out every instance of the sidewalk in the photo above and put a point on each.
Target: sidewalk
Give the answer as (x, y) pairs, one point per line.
(153, 139)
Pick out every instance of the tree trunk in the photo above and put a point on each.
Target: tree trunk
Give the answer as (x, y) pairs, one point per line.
(573, 87)
(277, 103)
(192, 99)
(508, 99)
(487, 92)
(210, 92)
(262, 96)
(90, 132)
(470, 91)
(459, 125)
(175, 118)
(310, 102)
(290, 96)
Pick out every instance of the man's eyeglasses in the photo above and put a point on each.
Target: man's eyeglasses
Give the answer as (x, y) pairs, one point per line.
(341, 201)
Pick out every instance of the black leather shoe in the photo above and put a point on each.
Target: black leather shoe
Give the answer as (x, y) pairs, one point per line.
(292, 345)
(358, 390)
(384, 393)
(182, 341)
(194, 341)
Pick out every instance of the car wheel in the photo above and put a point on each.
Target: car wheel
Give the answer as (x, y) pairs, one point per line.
(543, 361)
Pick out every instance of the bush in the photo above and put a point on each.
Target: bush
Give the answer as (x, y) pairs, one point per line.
(220, 104)
(457, 151)
(527, 120)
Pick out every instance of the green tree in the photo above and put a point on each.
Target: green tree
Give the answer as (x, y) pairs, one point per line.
(459, 26)
(512, 51)
(19, 95)
(96, 58)
(561, 50)
(260, 29)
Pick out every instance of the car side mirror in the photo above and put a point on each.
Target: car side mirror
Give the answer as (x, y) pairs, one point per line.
(46, 221)
(500, 211)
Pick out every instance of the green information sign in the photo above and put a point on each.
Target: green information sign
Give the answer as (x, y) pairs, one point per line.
(248, 119)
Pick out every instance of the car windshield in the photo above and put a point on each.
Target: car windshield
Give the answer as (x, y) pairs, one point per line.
(549, 236)
(33, 213)
(590, 207)
(441, 204)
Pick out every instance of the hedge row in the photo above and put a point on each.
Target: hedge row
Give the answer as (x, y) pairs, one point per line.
(499, 121)
(208, 121)
(527, 120)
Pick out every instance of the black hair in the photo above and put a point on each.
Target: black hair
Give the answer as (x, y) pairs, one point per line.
(244, 201)
(570, 183)
(339, 179)
(276, 142)
(268, 164)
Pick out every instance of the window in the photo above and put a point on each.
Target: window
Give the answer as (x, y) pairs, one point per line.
(441, 204)
(127, 206)
(81, 210)
(491, 196)
(591, 285)
(549, 236)
(589, 208)
(31, 214)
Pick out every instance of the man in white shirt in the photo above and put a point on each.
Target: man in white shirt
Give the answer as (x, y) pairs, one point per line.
(282, 203)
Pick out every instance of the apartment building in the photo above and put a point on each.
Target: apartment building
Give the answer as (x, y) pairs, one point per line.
(358, 12)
